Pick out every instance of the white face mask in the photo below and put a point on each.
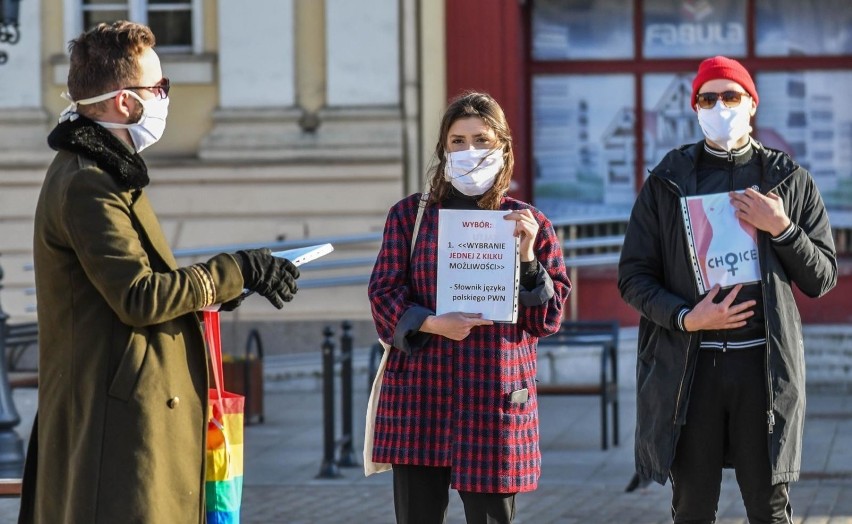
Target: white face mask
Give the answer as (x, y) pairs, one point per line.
(473, 171)
(724, 125)
(146, 132)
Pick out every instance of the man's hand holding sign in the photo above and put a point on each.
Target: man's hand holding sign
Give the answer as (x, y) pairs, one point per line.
(765, 212)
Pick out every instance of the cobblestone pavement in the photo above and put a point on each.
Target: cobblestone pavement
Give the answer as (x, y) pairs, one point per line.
(580, 483)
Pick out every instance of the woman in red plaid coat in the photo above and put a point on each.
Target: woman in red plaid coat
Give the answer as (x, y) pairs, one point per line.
(458, 406)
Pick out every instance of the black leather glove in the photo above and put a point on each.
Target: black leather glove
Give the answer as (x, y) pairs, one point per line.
(269, 276)
(234, 303)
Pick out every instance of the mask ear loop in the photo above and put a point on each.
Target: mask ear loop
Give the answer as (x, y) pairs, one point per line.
(70, 112)
(111, 125)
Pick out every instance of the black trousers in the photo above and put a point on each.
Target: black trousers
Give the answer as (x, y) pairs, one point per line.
(421, 495)
(726, 423)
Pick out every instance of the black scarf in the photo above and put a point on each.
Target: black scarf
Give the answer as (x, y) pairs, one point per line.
(86, 138)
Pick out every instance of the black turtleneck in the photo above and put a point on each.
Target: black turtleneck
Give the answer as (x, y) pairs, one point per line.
(458, 200)
(722, 171)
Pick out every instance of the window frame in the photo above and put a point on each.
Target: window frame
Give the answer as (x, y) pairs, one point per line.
(138, 12)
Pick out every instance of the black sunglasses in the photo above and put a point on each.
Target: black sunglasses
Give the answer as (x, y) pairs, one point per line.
(729, 98)
(161, 90)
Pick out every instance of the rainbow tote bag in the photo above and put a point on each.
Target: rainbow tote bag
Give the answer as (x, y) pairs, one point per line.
(224, 478)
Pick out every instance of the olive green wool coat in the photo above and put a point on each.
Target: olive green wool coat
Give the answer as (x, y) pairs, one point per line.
(123, 382)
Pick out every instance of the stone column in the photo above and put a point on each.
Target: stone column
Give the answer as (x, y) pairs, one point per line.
(363, 42)
(310, 61)
(23, 121)
(256, 80)
(256, 61)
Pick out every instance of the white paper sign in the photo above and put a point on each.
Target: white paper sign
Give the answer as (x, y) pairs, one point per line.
(478, 264)
(723, 248)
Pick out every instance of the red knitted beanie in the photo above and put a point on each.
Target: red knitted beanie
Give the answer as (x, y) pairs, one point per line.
(722, 67)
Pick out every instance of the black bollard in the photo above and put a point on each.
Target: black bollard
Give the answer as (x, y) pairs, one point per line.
(328, 468)
(253, 378)
(348, 459)
(11, 445)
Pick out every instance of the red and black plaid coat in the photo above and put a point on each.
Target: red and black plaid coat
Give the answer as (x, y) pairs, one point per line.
(447, 404)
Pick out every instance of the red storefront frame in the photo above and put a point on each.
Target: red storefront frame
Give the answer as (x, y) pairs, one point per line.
(488, 49)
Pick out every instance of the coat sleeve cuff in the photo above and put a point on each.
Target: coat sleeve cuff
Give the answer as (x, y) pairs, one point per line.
(785, 236)
(540, 293)
(529, 274)
(680, 316)
(407, 336)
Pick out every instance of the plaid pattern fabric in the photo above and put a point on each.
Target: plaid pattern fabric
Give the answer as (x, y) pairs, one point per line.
(448, 404)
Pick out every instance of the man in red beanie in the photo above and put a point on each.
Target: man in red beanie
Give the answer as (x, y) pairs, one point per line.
(720, 378)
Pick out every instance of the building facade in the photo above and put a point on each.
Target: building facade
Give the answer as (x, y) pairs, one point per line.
(598, 91)
(295, 119)
(289, 119)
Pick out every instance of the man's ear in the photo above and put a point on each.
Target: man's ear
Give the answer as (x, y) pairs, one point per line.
(123, 104)
(753, 109)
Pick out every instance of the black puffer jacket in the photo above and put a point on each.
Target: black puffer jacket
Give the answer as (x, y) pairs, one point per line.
(655, 277)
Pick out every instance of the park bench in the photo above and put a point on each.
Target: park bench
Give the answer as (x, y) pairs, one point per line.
(602, 335)
(10, 488)
(15, 340)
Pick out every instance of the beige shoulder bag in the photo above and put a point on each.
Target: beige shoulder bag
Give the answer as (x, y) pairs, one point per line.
(371, 467)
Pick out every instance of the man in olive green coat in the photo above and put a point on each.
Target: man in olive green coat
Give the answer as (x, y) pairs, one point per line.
(121, 425)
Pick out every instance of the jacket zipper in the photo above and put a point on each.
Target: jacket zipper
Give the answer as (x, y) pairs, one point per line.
(770, 395)
(679, 194)
(730, 188)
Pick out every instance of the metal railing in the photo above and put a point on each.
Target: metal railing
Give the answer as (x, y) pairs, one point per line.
(585, 242)
(325, 264)
(594, 241)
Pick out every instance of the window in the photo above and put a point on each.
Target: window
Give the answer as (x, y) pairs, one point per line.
(676, 28)
(796, 89)
(803, 27)
(814, 126)
(580, 29)
(668, 120)
(610, 82)
(583, 143)
(796, 119)
(175, 23)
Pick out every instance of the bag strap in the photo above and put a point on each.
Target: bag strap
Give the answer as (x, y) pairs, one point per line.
(424, 198)
(421, 206)
(213, 335)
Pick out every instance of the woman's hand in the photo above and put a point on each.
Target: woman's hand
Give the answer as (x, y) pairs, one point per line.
(709, 315)
(526, 228)
(455, 326)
